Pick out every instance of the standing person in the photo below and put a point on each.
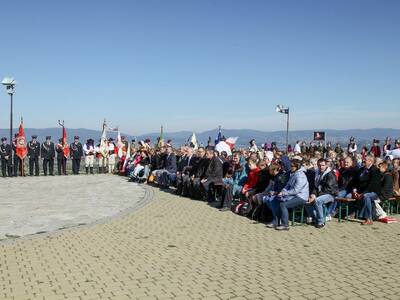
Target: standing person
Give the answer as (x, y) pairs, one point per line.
(5, 155)
(387, 146)
(352, 147)
(88, 149)
(111, 155)
(34, 154)
(253, 146)
(375, 149)
(61, 159)
(297, 148)
(102, 155)
(76, 155)
(48, 152)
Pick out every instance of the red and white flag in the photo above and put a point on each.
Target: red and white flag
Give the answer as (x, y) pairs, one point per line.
(21, 144)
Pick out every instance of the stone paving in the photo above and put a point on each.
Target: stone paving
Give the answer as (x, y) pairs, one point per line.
(44, 204)
(176, 248)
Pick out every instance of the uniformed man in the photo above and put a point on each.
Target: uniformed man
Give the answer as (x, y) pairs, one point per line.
(76, 155)
(61, 159)
(88, 149)
(5, 155)
(34, 154)
(48, 153)
(111, 155)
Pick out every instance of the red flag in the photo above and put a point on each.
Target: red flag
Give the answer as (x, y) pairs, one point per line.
(65, 143)
(21, 144)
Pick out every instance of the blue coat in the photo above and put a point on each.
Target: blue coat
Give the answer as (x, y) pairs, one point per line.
(297, 186)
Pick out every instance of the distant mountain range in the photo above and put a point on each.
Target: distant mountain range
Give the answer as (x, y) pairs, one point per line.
(363, 136)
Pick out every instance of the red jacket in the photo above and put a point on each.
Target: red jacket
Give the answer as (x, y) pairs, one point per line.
(252, 179)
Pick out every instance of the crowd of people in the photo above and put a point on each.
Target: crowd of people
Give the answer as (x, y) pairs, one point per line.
(262, 183)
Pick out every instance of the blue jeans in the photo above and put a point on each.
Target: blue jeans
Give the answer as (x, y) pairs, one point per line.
(272, 205)
(319, 207)
(341, 194)
(367, 205)
(282, 205)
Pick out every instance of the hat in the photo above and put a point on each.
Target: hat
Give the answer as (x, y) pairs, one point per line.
(376, 141)
(90, 140)
(48, 137)
(34, 136)
(3, 139)
(76, 137)
(269, 155)
(147, 141)
(123, 137)
(110, 139)
(352, 139)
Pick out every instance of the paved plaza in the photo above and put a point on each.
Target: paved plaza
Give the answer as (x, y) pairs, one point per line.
(176, 248)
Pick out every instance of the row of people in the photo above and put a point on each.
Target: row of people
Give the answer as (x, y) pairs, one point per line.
(48, 152)
(270, 184)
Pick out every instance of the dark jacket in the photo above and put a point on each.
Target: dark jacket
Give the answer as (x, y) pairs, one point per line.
(5, 150)
(214, 170)
(33, 150)
(263, 180)
(47, 151)
(280, 181)
(347, 179)
(386, 187)
(310, 174)
(369, 180)
(76, 150)
(200, 167)
(170, 163)
(327, 185)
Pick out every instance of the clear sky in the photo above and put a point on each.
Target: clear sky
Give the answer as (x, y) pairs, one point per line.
(197, 64)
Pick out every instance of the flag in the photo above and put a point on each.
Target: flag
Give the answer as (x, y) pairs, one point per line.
(319, 135)
(120, 145)
(65, 142)
(193, 141)
(21, 145)
(231, 141)
(103, 141)
(219, 136)
(160, 142)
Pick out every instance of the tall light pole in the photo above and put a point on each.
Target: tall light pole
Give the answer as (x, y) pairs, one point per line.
(10, 83)
(284, 110)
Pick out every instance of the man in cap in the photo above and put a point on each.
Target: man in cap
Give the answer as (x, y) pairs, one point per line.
(88, 149)
(5, 155)
(34, 154)
(48, 152)
(111, 155)
(76, 155)
(61, 159)
(375, 149)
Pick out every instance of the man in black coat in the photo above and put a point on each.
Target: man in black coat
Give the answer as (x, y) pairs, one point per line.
(183, 172)
(76, 153)
(197, 173)
(368, 188)
(48, 153)
(34, 155)
(5, 156)
(213, 174)
(17, 168)
(168, 174)
(325, 190)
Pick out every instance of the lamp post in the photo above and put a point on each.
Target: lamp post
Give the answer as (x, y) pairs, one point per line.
(9, 83)
(284, 110)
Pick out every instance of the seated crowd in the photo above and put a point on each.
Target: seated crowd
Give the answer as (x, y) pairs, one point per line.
(264, 184)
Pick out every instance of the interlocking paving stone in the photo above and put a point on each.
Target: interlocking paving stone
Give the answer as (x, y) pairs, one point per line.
(177, 248)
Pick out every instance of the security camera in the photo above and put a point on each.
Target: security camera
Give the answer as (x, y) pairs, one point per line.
(9, 81)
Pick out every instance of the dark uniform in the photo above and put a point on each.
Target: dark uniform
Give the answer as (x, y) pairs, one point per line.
(48, 153)
(76, 155)
(34, 154)
(61, 159)
(5, 155)
(17, 160)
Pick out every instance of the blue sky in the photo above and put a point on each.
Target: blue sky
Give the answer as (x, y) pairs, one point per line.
(194, 65)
